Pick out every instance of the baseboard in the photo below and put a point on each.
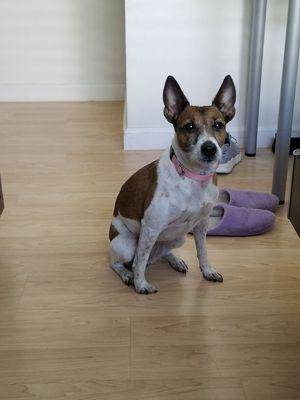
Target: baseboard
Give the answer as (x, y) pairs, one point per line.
(160, 138)
(10, 93)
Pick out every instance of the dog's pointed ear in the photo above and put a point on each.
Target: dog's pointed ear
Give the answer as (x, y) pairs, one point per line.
(174, 100)
(225, 98)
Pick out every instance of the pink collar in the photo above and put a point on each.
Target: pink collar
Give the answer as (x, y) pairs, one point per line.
(188, 173)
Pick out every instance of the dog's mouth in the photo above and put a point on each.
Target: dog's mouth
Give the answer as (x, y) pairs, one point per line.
(196, 160)
(209, 159)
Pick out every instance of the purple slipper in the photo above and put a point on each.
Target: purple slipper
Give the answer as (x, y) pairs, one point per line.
(239, 221)
(239, 198)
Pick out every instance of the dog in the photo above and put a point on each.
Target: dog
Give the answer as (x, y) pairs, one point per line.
(172, 196)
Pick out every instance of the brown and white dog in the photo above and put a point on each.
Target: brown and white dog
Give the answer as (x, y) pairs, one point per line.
(163, 201)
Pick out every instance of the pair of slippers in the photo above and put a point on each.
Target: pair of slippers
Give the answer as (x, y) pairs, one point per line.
(242, 213)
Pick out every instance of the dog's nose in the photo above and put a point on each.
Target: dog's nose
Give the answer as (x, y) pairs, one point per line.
(208, 149)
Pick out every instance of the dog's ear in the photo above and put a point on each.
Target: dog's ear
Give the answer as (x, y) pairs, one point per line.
(174, 100)
(225, 98)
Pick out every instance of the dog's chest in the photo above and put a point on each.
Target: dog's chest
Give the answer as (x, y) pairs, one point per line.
(183, 204)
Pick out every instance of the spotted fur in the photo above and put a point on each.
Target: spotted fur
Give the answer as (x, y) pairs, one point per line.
(157, 207)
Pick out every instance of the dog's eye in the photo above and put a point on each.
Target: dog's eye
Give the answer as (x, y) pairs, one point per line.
(189, 126)
(218, 125)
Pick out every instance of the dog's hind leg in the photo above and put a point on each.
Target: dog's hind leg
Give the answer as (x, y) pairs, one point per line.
(122, 251)
(124, 274)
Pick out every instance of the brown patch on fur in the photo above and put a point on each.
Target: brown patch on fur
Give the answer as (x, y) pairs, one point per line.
(137, 192)
(203, 118)
(221, 137)
(112, 232)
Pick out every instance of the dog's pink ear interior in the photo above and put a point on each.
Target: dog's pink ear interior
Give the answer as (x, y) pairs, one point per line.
(225, 98)
(174, 100)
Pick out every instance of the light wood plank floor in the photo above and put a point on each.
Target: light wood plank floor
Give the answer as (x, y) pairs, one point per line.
(70, 329)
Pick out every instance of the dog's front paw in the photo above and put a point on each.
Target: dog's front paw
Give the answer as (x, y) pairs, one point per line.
(144, 287)
(211, 274)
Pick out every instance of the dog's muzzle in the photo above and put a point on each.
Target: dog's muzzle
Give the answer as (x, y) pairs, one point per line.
(209, 150)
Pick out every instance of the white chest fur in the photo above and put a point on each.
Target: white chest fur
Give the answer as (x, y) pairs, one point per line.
(179, 203)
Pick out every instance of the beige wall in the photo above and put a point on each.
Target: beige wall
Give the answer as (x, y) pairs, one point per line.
(62, 49)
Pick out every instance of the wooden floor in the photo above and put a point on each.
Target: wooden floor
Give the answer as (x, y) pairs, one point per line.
(69, 329)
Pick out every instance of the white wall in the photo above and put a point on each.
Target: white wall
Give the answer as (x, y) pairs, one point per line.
(199, 42)
(61, 50)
